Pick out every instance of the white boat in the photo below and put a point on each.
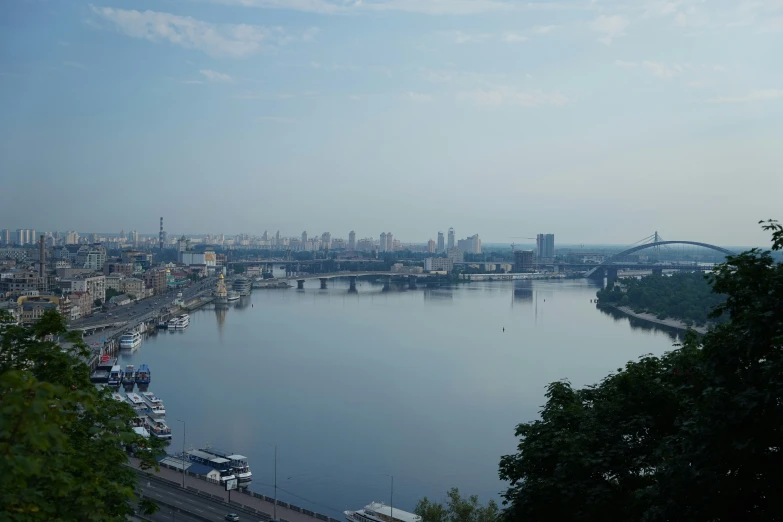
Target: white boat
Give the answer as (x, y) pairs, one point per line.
(117, 397)
(182, 322)
(172, 324)
(379, 512)
(115, 376)
(158, 428)
(155, 405)
(232, 295)
(136, 402)
(238, 464)
(130, 340)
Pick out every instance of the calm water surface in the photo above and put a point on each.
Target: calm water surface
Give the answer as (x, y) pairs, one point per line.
(421, 384)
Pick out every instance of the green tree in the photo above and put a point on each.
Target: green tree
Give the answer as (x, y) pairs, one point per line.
(457, 509)
(693, 435)
(111, 292)
(239, 268)
(62, 441)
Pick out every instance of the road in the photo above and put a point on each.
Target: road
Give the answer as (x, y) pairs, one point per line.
(189, 505)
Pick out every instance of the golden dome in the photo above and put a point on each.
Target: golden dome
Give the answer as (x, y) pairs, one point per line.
(221, 276)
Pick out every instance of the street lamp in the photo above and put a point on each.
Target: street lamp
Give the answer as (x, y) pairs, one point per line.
(183, 451)
(391, 500)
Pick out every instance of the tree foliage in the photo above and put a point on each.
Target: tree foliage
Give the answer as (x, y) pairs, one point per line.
(687, 296)
(457, 509)
(63, 442)
(693, 435)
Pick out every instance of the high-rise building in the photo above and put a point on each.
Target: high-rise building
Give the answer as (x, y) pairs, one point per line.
(431, 246)
(6, 237)
(441, 243)
(21, 237)
(304, 240)
(389, 242)
(382, 244)
(134, 238)
(122, 236)
(523, 261)
(326, 240)
(451, 239)
(471, 245)
(352, 240)
(545, 244)
(277, 238)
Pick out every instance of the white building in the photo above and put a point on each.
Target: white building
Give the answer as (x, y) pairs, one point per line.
(438, 264)
(471, 245)
(352, 240)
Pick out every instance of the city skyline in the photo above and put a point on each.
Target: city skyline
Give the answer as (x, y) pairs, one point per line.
(598, 121)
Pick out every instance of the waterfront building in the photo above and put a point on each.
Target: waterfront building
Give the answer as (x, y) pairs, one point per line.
(441, 243)
(437, 264)
(471, 245)
(545, 245)
(523, 261)
(456, 255)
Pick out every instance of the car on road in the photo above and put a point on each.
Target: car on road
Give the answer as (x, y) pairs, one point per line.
(232, 516)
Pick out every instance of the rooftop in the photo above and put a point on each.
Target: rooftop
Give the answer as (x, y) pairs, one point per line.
(399, 514)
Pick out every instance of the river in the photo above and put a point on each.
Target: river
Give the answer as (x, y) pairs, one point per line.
(424, 385)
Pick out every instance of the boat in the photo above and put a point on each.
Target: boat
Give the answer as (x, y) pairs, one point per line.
(155, 406)
(163, 324)
(380, 512)
(182, 322)
(241, 285)
(117, 397)
(238, 463)
(130, 375)
(115, 376)
(232, 295)
(101, 373)
(143, 376)
(158, 428)
(207, 458)
(136, 402)
(130, 340)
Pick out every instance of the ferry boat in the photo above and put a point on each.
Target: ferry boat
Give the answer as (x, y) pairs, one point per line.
(130, 340)
(130, 375)
(143, 376)
(115, 376)
(182, 322)
(155, 405)
(379, 512)
(158, 428)
(238, 463)
(118, 397)
(221, 464)
(136, 402)
(232, 296)
(241, 285)
(101, 373)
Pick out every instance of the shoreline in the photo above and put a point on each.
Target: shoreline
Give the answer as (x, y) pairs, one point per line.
(668, 322)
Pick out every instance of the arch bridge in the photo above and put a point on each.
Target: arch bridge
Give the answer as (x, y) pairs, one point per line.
(612, 261)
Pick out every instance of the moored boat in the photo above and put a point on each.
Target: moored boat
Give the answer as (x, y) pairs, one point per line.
(158, 428)
(130, 375)
(238, 464)
(143, 375)
(155, 406)
(232, 296)
(130, 340)
(182, 322)
(115, 376)
(136, 402)
(101, 373)
(379, 512)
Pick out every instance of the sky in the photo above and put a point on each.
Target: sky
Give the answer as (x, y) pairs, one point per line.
(598, 121)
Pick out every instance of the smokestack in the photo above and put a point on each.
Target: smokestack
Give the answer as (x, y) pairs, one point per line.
(42, 260)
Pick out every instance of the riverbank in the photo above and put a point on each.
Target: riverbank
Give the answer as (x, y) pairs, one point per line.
(652, 318)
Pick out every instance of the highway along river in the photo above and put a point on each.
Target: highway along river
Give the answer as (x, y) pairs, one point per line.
(425, 384)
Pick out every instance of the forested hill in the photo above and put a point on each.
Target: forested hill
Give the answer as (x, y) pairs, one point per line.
(686, 296)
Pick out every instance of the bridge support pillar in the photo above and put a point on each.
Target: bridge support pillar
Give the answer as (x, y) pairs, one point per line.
(323, 283)
(352, 280)
(300, 284)
(412, 282)
(657, 271)
(387, 284)
(611, 275)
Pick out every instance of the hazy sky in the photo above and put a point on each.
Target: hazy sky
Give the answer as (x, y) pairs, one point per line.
(599, 121)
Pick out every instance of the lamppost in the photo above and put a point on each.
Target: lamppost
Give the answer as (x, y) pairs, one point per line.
(391, 499)
(183, 451)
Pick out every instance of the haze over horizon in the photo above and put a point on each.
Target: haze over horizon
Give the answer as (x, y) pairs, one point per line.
(597, 121)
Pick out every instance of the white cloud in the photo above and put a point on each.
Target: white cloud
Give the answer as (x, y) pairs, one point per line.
(236, 41)
(544, 29)
(625, 65)
(514, 38)
(215, 76)
(753, 96)
(418, 96)
(192, 82)
(661, 70)
(310, 34)
(460, 37)
(497, 96)
(432, 7)
(610, 27)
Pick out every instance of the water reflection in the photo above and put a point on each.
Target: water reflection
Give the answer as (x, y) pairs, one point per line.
(641, 324)
(438, 294)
